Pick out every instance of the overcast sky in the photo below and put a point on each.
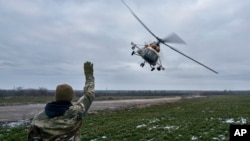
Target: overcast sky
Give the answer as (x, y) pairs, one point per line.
(44, 43)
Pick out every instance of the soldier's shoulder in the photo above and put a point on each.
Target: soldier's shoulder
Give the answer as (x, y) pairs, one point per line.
(75, 109)
(40, 116)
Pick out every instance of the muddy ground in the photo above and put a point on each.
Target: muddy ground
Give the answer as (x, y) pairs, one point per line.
(23, 112)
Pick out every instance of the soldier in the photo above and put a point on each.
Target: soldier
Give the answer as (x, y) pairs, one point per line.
(153, 46)
(61, 120)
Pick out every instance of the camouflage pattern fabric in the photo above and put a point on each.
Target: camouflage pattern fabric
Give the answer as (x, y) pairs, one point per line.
(67, 126)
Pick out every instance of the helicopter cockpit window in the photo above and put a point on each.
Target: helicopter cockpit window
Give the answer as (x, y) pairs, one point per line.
(150, 56)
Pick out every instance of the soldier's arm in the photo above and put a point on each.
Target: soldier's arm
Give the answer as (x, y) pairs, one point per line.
(89, 88)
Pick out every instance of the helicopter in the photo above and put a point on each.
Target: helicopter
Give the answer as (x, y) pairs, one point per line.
(150, 53)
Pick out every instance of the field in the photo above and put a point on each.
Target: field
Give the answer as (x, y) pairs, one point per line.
(205, 119)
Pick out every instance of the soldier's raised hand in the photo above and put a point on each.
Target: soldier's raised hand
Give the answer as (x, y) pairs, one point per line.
(88, 69)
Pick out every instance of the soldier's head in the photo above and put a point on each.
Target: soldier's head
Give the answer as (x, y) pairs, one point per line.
(153, 45)
(64, 92)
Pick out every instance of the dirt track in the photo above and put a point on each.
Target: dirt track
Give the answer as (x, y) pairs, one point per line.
(22, 112)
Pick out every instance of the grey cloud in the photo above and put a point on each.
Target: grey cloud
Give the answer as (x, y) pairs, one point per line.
(45, 43)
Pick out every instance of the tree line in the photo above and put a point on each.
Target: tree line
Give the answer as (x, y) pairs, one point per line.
(19, 91)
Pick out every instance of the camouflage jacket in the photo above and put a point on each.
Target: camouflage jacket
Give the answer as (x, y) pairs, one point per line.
(65, 127)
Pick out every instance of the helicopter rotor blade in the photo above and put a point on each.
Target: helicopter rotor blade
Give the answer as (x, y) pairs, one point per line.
(190, 58)
(140, 21)
(173, 38)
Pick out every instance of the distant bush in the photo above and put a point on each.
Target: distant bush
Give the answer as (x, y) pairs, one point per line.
(19, 91)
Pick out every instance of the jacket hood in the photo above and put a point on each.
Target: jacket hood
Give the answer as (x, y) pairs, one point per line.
(57, 108)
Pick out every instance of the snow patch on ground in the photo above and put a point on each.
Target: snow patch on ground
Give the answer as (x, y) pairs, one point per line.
(194, 138)
(140, 126)
(241, 120)
(171, 127)
(230, 120)
(219, 138)
(15, 123)
(104, 137)
(153, 120)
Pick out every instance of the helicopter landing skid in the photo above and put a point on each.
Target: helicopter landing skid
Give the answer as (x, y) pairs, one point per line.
(159, 68)
(142, 64)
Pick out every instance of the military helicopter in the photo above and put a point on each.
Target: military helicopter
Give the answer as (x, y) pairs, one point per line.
(150, 52)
